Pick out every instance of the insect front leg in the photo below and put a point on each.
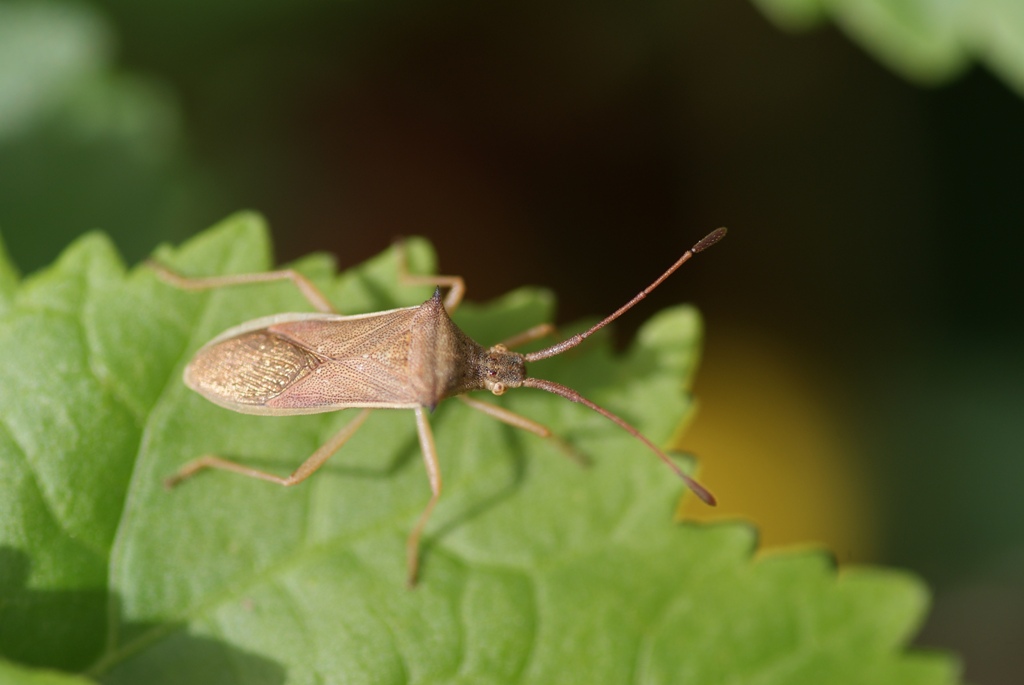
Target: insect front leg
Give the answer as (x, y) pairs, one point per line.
(520, 421)
(539, 331)
(305, 470)
(312, 294)
(455, 284)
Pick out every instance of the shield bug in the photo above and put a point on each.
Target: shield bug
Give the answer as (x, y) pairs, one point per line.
(408, 358)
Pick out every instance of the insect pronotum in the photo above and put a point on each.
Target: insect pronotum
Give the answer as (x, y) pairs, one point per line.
(408, 358)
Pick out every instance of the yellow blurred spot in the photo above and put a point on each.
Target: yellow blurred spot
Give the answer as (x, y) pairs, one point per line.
(768, 433)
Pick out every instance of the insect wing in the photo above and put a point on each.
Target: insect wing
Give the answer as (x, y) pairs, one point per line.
(308, 363)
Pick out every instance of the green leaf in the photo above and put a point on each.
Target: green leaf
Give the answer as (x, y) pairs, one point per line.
(929, 41)
(535, 570)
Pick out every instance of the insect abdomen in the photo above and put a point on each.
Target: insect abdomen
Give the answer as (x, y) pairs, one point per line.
(245, 372)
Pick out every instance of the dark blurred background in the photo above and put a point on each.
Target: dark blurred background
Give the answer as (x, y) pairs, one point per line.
(863, 379)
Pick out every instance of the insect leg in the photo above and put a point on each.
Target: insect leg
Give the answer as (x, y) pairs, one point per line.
(455, 284)
(305, 286)
(412, 545)
(312, 463)
(536, 333)
(519, 421)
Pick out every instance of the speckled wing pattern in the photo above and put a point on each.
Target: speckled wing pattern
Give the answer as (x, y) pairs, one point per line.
(308, 363)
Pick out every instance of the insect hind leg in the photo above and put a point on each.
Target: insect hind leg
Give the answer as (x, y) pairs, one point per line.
(305, 470)
(312, 294)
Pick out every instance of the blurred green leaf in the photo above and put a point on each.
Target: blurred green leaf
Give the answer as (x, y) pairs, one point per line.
(929, 41)
(13, 674)
(82, 143)
(535, 570)
(45, 49)
(8, 277)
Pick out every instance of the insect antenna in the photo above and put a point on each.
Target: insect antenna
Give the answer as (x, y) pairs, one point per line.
(569, 343)
(573, 396)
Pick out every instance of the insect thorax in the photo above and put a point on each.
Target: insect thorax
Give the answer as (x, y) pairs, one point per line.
(445, 362)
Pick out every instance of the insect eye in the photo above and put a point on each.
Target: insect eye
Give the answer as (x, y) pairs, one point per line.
(492, 373)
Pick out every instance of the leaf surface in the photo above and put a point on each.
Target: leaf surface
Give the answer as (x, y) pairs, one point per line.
(535, 570)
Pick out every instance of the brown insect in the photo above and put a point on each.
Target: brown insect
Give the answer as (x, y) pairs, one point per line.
(408, 358)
